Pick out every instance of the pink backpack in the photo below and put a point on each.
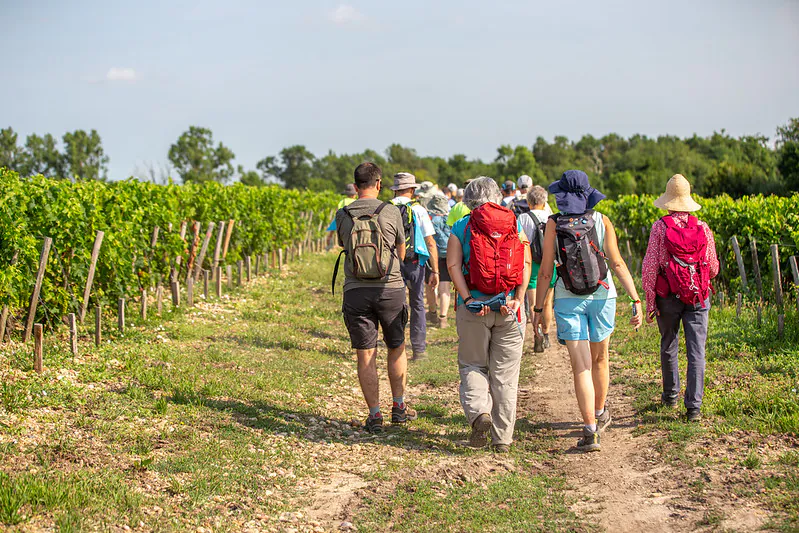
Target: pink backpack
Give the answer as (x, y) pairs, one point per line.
(687, 273)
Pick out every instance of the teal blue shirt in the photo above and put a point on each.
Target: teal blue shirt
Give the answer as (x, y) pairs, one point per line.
(459, 230)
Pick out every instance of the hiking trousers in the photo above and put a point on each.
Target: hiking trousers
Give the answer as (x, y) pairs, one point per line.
(489, 357)
(413, 274)
(695, 321)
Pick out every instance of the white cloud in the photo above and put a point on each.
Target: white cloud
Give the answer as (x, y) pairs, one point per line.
(121, 74)
(345, 14)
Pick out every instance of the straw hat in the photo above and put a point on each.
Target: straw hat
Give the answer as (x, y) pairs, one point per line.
(677, 196)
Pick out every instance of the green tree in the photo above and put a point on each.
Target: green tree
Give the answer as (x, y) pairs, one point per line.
(294, 169)
(42, 157)
(84, 158)
(197, 160)
(10, 153)
(788, 153)
(250, 177)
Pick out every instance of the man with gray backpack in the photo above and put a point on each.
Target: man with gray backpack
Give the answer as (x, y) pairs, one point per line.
(370, 231)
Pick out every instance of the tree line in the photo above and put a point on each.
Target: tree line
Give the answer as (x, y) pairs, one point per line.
(715, 164)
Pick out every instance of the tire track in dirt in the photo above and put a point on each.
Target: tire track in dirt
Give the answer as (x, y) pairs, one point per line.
(625, 487)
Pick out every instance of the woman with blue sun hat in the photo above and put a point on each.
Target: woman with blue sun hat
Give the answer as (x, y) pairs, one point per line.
(583, 244)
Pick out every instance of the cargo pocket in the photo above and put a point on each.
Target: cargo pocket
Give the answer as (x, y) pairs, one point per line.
(405, 315)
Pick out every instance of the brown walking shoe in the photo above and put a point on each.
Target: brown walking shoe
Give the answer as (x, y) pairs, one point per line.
(480, 428)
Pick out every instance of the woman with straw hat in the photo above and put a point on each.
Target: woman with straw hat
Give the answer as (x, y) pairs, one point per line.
(680, 261)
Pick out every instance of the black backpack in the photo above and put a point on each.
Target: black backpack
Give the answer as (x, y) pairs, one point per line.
(581, 261)
(406, 214)
(537, 238)
(520, 207)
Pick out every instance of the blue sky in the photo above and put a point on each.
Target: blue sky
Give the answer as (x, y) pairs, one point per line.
(443, 77)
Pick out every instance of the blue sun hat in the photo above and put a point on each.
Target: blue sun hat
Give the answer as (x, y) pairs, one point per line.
(573, 194)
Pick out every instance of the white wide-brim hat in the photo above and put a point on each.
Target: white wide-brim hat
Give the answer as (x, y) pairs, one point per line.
(677, 196)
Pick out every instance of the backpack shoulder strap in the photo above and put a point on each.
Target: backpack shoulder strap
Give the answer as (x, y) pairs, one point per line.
(379, 208)
(335, 271)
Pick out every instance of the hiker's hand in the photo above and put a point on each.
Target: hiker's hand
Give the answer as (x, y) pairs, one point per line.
(433, 280)
(536, 321)
(510, 307)
(637, 318)
(650, 316)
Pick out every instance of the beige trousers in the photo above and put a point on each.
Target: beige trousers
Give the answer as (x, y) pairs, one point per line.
(489, 356)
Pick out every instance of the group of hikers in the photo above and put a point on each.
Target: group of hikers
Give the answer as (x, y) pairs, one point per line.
(511, 260)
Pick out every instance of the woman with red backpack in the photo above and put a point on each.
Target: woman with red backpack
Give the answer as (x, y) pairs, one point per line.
(583, 244)
(680, 261)
(488, 259)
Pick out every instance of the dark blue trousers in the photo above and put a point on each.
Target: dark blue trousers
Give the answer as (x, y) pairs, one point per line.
(413, 274)
(694, 320)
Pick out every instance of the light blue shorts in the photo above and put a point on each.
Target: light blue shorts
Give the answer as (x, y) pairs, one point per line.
(584, 320)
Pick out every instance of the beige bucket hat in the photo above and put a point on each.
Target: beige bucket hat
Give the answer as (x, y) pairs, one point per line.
(677, 196)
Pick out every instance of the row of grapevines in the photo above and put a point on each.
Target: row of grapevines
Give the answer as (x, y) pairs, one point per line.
(32, 208)
(766, 219)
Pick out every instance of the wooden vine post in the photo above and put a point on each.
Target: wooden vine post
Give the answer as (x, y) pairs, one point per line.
(203, 250)
(190, 292)
(219, 240)
(38, 348)
(205, 285)
(775, 270)
(740, 261)
(230, 225)
(98, 241)
(159, 299)
(121, 316)
(98, 323)
(37, 287)
(173, 276)
(193, 249)
(73, 333)
(795, 273)
(756, 267)
(218, 281)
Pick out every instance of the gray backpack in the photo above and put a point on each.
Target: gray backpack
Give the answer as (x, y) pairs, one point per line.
(582, 263)
(367, 252)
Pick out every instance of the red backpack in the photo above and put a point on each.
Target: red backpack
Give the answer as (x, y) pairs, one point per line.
(687, 273)
(496, 255)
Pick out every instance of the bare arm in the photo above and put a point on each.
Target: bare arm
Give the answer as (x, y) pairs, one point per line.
(545, 273)
(454, 262)
(619, 267)
(401, 251)
(433, 249)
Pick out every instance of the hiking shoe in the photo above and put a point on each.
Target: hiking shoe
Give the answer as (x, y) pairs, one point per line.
(500, 448)
(480, 427)
(538, 344)
(603, 420)
(374, 424)
(442, 322)
(418, 356)
(589, 442)
(401, 415)
(693, 415)
(546, 341)
(668, 402)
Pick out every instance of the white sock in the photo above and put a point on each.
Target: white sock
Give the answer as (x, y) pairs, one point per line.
(599, 413)
(592, 427)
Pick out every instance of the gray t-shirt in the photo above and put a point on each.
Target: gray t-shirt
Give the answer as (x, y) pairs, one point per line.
(391, 224)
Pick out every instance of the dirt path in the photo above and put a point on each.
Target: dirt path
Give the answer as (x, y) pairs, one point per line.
(625, 486)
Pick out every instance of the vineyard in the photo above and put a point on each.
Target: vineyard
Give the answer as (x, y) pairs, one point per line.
(151, 235)
(237, 413)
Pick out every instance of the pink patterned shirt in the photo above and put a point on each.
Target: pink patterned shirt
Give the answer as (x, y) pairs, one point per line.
(657, 257)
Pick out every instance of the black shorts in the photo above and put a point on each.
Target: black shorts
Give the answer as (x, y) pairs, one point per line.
(443, 273)
(365, 307)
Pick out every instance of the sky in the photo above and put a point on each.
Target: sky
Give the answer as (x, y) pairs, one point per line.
(442, 77)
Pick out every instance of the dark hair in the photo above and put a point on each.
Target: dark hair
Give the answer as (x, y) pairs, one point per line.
(367, 175)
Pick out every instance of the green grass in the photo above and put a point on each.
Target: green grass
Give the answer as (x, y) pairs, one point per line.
(193, 419)
(751, 394)
(507, 503)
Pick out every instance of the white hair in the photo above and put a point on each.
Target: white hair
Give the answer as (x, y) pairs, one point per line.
(481, 190)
